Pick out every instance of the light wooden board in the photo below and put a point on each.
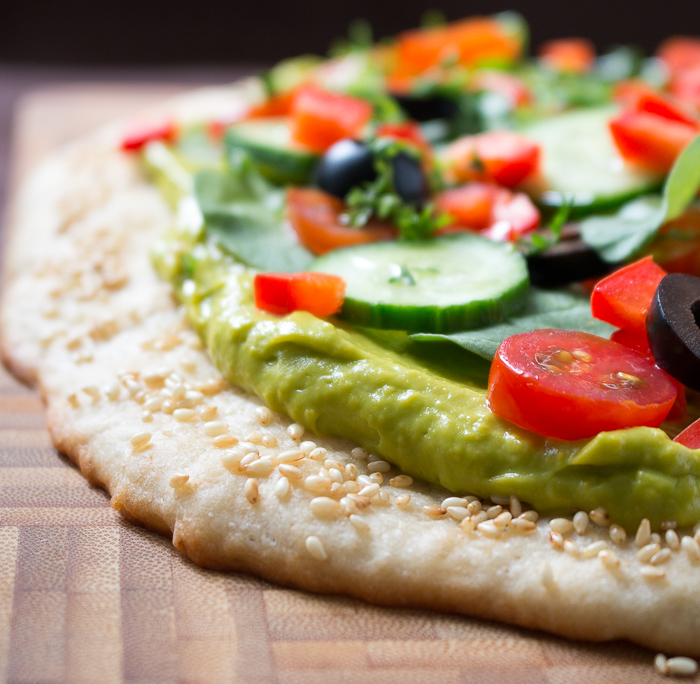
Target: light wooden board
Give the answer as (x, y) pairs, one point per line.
(87, 597)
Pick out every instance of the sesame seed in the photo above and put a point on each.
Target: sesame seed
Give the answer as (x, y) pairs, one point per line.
(289, 471)
(252, 493)
(379, 467)
(592, 550)
(646, 553)
(453, 501)
(351, 487)
(489, 529)
(337, 489)
(600, 517)
(269, 441)
(177, 393)
(224, 441)
(370, 490)
(457, 513)
(643, 535)
(521, 525)
(655, 538)
(291, 456)
(318, 454)
(468, 525)
(214, 428)
(681, 667)
(177, 481)
(402, 500)
(691, 547)
(502, 519)
(314, 483)
(146, 416)
(617, 535)
(581, 522)
(493, 511)
(501, 500)
(140, 439)
(479, 517)
(183, 414)
(351, 471)
(434, 511)
(316, 548)
(112, 391)
(153, 403)
(359, 453)
(609, 559)
(231, 459)
(651, 573)
(207, 413)
(347, 505)
(324, 507)
(295, 431)
(530, 515)
(248, 458)
(561, 525)
(361, 501)
(168, 407)
(140, 397)
(188, 364)
(672, 540)
(156, 378)
(660, 663)
(571, 547)
(212, 386)
(259, 468)
(307, 447)
(336, 475)
(254, 437)
(359, 523)
(132, 386)
(93, 392)
(547, 575)
(661, 557)
(364, 480)
(264, 415)
(556, 540)
(248, 448)
(376, 478)
(282, 488)
(516, 508)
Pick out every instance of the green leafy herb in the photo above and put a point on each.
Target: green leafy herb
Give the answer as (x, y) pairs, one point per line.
(622, 235)
(560, 309)
(243, 213)
(360, 37)
(541, 240)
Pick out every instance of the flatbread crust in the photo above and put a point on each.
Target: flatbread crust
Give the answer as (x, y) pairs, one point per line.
(82, 307)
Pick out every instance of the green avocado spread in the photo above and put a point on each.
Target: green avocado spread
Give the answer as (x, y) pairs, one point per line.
(421, 406)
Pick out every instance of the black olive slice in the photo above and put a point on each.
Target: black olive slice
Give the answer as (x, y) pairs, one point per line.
(568, 261)
(426, 108)
(344, 165)
(410, 183)
(673, 328)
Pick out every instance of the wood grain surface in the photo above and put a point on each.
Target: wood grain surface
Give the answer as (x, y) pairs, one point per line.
(87, 597)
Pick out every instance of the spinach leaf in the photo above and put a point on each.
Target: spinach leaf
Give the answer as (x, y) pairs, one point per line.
(545, 309)
(244, 213)
(620, 236)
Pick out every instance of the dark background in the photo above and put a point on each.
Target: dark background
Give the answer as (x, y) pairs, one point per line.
(156, 32)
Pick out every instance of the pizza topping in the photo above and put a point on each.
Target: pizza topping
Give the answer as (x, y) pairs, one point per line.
(345, 164)
(282, 293)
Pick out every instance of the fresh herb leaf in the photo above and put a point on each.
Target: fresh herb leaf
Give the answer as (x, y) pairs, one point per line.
(622, 235)
(243, 212)
(539, 241)
(561, 309)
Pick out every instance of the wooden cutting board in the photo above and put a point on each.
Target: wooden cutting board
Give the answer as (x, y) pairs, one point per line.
(87, 597)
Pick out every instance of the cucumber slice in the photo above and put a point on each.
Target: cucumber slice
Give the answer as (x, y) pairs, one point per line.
(277, 157)
(580, 161)
(448, 283)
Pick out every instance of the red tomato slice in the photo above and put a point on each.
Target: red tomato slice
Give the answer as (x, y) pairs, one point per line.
(573, 385)
(470, 205)
(624, 297)
(690, 437)
(314, 216)
(281, 293)
(512, 218)
(139, 136)
(574, 55)
(319, 118)
(666, 108)
(504, 157)
(650, 141)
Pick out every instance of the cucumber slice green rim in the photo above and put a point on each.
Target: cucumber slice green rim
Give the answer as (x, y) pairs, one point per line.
(581, 163)
(441, 285)
(268, 142)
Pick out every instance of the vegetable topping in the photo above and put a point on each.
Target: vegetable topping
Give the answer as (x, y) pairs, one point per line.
(282, 293)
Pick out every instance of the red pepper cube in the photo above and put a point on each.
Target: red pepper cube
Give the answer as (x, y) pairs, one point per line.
(272, 292)
(281, 293)
(136, 138)
(624, 297)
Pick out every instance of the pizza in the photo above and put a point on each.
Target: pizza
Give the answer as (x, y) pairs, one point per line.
(321, 383)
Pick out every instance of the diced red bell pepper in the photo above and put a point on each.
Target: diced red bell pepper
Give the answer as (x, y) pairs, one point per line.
(504, 157)
(624, 297)
(666, 108)
(139, 136)
(573, 55)
(320, 118)
(650, 140)
(690, 437)
(281, 293)
(277, 105)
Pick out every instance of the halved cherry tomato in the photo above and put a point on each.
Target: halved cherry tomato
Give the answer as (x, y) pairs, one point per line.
(679, 53)
(409, 131)
(314, 216)
(503, 83)
(320, 118)
(624, 297)
(468, 42)
(139, 136)
(573, 385)
(690, 437)
(666, 108)
(281, 293)
(573, 55)
(503, 157)
(649, 140)
(500, 214)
